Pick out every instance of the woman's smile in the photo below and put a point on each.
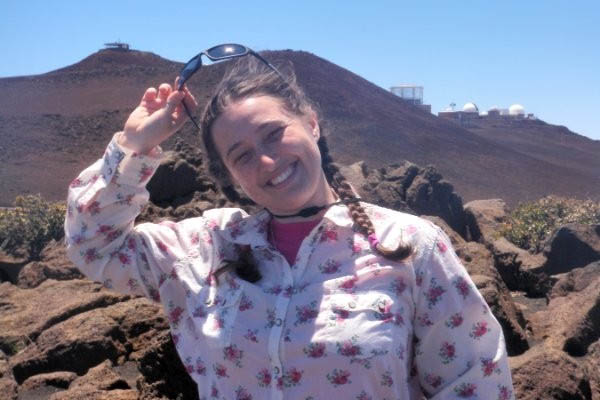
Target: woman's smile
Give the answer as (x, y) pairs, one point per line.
(276, 181)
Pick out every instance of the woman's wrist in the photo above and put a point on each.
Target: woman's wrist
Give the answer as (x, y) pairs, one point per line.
(128, 145)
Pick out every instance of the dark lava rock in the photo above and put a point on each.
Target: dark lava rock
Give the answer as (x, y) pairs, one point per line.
(571, 246)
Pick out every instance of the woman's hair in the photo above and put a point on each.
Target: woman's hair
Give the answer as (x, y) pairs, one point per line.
(248, 78)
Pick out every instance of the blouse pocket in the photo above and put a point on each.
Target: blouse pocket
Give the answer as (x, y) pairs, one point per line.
(362, 329)
(214, 310)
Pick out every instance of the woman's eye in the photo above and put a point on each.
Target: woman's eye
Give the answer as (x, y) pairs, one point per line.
(275, 134)
(243, 158)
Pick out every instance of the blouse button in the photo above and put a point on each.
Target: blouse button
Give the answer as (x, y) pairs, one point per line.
(352, 304)
(333, 316)
(278, 322)
(276, 370)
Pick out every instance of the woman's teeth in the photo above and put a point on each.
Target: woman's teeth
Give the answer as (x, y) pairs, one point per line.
(283, 176)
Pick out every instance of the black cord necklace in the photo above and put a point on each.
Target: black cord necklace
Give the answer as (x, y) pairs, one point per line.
(314, 210)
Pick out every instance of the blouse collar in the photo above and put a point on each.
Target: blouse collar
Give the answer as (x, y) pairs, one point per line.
(252, 230)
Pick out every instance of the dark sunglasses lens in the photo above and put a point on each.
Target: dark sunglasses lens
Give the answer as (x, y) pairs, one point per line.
(226, 51)
(190, 68)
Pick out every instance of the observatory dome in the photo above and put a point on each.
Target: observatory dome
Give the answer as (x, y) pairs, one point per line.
(516, 109)
(494, 108)
(470, 107)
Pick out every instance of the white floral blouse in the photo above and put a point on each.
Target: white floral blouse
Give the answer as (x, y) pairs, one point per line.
(340, 323)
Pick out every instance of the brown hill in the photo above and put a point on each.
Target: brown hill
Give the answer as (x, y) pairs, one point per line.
(53, 125)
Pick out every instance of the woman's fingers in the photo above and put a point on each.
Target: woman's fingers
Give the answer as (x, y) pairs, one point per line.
(164, 90)
(173, 100)
(149, 95)
(189, 99)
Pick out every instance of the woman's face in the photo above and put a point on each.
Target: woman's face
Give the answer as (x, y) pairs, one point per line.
(272, 154)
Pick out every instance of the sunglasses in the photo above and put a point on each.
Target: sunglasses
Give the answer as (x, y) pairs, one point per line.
(215, 54)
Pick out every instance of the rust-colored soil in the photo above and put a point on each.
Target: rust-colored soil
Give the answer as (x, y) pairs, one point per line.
(53, 125)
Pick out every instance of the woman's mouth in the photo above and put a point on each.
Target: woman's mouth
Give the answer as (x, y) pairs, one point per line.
(283, 176)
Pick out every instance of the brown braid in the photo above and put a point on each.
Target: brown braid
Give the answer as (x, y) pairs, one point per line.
(244, 267)
(343, 189)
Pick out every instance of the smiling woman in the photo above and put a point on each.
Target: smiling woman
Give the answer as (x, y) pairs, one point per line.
(320, 294)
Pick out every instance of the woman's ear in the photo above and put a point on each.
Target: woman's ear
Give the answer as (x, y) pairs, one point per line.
(314, 124)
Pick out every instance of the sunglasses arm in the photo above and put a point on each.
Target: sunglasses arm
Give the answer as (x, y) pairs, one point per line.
(187, 111)
(261, 58)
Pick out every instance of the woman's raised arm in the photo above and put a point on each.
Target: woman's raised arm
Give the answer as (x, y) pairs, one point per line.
(106, 197)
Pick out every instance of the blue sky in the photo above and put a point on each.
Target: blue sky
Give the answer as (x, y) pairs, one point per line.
(541, 54)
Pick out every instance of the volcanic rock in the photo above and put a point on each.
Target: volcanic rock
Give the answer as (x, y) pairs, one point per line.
(178, 175)
(520, 270)
(429, 194)
(160, 356)
(8, 386)
(53, 264)
(60, 380)
(10, 266)
(101, 381)
(571, 246)
(409, 188)
(576, 280)
(89, 338)
(591, 365)
(572, 320)
(89, 393)
(43, 385)
(484, 219)
(547, 373)
(26, 313)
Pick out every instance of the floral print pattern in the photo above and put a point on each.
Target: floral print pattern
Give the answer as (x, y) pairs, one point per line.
(290, 378)
(343, 321)
(447, 352)
(434, 294)
(306, 313)
(339, 377)
(462, 286)
(264, 377)
(454, 321)
(466, 390)
(315, 350)
(478, 330)
(233, 354)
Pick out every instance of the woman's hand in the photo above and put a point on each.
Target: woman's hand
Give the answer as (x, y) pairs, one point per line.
(159, 115)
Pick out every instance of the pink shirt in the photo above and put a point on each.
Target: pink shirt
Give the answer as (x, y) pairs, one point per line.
(287, 236)
(341, 322)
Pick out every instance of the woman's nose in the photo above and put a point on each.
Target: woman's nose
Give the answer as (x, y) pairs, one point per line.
(268, 158)
(267, 161)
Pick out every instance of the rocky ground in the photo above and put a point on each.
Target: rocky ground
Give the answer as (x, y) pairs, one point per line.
(64, 337)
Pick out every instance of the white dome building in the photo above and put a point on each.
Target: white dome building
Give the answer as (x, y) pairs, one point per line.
(516, 110)
(470, 108)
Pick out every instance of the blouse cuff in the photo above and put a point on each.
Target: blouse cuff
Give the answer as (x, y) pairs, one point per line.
(127, 167)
